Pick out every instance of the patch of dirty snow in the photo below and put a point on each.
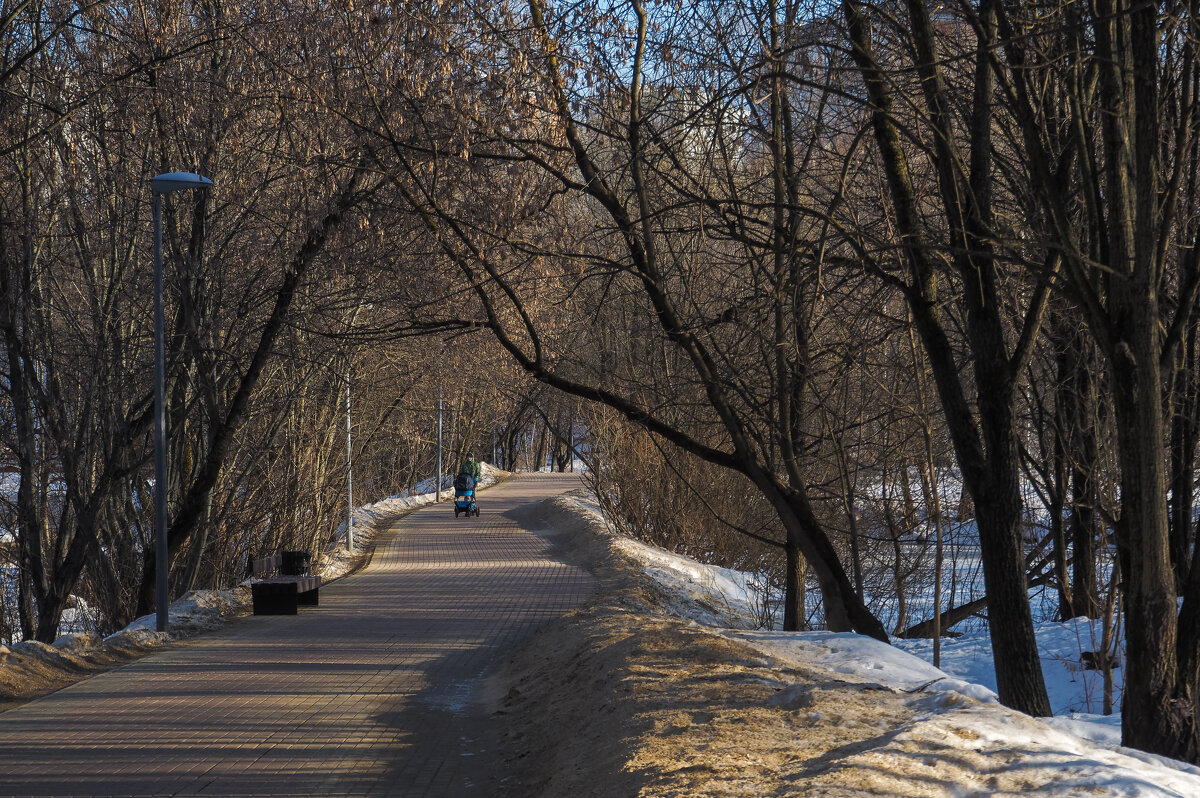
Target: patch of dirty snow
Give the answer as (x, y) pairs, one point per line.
(858, 716)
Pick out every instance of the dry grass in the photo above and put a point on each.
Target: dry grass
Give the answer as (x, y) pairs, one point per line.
(620, 700)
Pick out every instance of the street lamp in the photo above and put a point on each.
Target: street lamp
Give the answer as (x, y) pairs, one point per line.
(437, 488)
(163, 184)
(349, 473)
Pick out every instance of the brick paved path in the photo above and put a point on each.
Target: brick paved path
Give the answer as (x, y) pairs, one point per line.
(370, 693)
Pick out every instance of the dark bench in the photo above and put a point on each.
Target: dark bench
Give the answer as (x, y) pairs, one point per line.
(277, 593)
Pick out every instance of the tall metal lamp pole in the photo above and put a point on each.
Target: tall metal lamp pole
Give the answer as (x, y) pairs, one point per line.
(349, 472)
(163, 184)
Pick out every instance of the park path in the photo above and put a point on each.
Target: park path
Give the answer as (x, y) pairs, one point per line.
(368, 694)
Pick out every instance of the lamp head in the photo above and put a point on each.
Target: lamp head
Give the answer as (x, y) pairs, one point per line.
(178, 181)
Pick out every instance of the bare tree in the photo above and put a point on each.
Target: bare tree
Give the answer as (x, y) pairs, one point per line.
(690, 228)
(1124, 135)
(997, 345)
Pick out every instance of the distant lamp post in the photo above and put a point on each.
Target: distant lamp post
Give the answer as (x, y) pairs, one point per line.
(349, 473)
(163, 184)
(437, 487)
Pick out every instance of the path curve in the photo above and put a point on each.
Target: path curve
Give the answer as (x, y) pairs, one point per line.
(370, 693)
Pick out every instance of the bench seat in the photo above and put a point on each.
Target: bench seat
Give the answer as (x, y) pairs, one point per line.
(282, 595)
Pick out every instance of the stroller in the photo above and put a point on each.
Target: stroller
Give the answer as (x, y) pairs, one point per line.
(464, 496)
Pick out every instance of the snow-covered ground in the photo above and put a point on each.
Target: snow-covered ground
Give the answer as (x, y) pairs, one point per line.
(1074, 690)
(1075, 752)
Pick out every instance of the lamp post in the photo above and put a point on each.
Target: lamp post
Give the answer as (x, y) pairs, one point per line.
(163, 184)
(437, 489)
(349, 473)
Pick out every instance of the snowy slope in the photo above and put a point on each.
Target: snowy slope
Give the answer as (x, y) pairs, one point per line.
(1073, 754)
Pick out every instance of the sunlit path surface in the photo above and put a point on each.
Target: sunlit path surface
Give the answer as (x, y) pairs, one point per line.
(368, 694)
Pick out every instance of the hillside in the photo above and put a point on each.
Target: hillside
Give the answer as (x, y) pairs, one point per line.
(637, 696)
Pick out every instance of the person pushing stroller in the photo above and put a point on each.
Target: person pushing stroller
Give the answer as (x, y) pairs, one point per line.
(471, 466)
(464, 487)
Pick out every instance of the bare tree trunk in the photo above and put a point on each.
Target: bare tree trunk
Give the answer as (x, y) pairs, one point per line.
(793, 608)
(1158, 710)
(199, 542)
(1056, 479)
(985, 441)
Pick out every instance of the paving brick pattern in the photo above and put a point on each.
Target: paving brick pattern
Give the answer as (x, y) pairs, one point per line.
(368, 694)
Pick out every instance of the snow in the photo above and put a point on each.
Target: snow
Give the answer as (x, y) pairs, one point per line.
(706, 594)
(1072, 688)
(200, 610)
(34, 668)
(864, 660)
(1076, 752)
(29, 668)
(423, 493)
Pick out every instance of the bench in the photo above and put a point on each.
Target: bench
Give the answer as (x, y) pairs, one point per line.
(277, 593)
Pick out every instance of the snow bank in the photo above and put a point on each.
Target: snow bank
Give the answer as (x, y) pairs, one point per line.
(708, 595)
(861, 659)
(423, 493)
(197, 611)
(1077, 753)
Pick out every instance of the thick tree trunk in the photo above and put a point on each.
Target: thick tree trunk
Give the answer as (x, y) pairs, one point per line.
(849, 613)
(1189, 642)
(26, 618)
(1062, 573)
(1158, 712)
(1159, 703)
(1019, 678)
(191, 571)
(989, 457)
(29, 516)
(1058, 468)
(1084, 597)
(50, 609)
(985, 441)
(844, 611)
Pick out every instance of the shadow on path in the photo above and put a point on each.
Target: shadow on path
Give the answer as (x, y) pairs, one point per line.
(370, 693)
